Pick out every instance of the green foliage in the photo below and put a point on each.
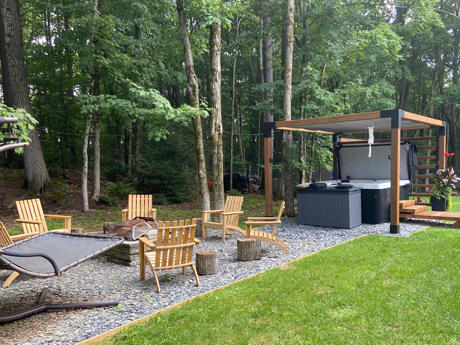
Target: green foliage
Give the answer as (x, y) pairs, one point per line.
(234, 192)
(166, 278)
(171, 175)
(119, 189)
(20, 129)
(56, 196)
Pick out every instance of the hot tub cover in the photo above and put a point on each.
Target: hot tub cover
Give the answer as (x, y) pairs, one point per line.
(354, 162)
(53, 252)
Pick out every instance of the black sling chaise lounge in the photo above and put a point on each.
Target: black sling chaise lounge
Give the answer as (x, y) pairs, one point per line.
(48, 254)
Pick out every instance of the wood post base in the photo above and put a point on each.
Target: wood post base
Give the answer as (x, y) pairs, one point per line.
(206, 262)
(248, 249)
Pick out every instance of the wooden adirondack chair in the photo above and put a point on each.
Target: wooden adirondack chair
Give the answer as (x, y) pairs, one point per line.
(173, 249)
(33, 219)
(5, 240)
(230, 216)
(266, 236)
(138, 206)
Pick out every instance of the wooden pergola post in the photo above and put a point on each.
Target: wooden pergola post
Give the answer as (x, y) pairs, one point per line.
(442, 147)
(395, 116)
(268, 169)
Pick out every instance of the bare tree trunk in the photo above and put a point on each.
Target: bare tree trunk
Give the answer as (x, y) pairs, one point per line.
(84, 173)
(239, 123)
(97, 158)
(261, 97)
(216, 119)
(304, 95)
(128, 151)
(193, 95)
(94, 90)
(312, 156)
(268, 55)
(137, 153)
(287, 142)
(16, 92)
(238, 22)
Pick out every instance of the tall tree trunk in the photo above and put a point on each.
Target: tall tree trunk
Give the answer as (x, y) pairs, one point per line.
(216, 118)
(84, 173)
(238, 22)
(193, 96)
(94, 90)
(128, 151)
(287, 135)
(16, 92)
(268, 55)
(239, 122)
(97, 157)
(304, 95)
(137, 150)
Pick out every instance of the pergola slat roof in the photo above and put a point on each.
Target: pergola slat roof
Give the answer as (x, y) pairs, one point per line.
(356, 123)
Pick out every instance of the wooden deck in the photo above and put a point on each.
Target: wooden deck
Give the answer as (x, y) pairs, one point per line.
(408, 209)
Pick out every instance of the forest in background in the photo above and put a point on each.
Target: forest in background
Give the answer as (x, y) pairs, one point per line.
(112, 73)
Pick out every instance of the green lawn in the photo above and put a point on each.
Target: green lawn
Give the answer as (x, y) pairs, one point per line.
(374, 290)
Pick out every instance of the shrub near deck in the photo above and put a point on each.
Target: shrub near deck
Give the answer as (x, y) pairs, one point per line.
(374, 290)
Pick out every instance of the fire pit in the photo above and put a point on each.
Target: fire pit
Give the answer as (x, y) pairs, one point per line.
(127, 253)
(131, 229)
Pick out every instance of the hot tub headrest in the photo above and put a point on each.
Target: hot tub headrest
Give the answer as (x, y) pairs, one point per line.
(344, 186)
(317, 185)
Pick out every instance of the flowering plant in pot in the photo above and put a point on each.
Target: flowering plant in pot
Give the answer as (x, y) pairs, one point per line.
(442, 190)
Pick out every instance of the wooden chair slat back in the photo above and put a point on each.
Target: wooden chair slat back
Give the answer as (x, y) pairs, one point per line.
(5, 238)
(280, 213)
(175, 242)
(32, 210)
(233, 204)
(140, 206)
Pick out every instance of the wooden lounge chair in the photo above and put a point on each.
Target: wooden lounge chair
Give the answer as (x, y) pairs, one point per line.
(33, 219)
(266, 236)
(230, 216)
(173, 249)
(138, 206)
(6, 240)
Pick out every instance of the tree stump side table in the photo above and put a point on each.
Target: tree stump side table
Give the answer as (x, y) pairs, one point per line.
(206, 262)
(248, 249)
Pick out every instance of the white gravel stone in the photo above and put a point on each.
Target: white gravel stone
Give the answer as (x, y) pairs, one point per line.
(97, 280)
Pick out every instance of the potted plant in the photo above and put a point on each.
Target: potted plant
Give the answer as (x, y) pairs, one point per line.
(441, 193)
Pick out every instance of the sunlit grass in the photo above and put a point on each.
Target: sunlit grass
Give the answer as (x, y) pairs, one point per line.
(374, 290)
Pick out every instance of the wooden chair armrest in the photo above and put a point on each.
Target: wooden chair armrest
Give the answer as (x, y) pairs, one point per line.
(197, 241)
(263, 223)
(67, 220)
(56, 216)
(232, 213)
(22, 236)
(28, 221)
(147, 242)
(213, 211)
(124, 214)
(262, 218)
